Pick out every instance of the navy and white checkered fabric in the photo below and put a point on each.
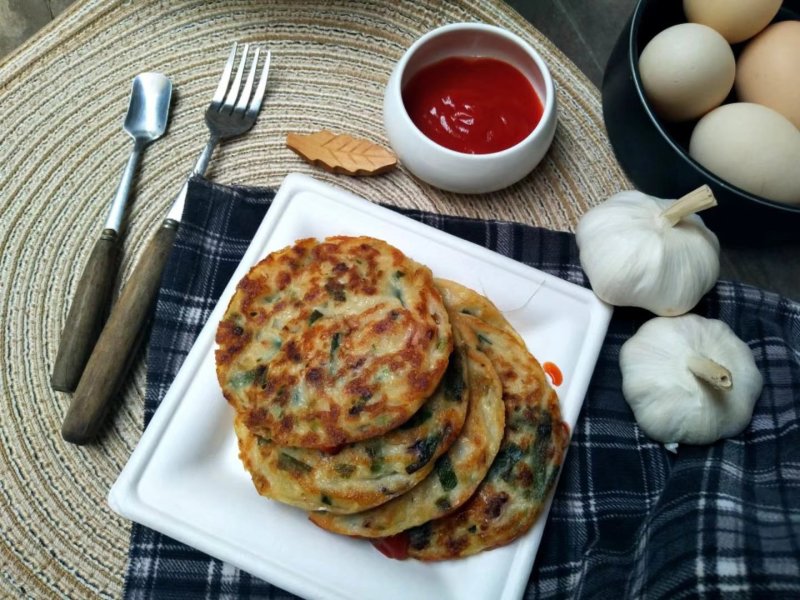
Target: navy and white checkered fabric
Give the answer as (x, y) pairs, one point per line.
(629, 519)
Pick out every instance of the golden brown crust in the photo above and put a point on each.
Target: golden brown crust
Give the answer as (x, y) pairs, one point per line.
(514, 491)
(364, 474)
(333, 354)
(457, 473)
(332, 342)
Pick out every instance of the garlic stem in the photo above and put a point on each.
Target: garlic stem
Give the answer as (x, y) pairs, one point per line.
(695, 201)
(711, 372)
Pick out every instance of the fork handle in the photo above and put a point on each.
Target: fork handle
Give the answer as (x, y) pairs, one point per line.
(89, 308)
(115, 349)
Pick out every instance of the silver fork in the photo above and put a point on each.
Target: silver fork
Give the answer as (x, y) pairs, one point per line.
(225, 116)
(233, 111)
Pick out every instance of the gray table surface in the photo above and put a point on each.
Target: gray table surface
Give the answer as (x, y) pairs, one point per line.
(586, 32)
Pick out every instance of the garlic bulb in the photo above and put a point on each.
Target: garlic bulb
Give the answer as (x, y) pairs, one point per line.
(689, 379)
(638, 250)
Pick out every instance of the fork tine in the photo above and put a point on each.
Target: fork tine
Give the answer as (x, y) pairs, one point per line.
(255, 103)
(233, 93)
(219, 95)
(248, 86)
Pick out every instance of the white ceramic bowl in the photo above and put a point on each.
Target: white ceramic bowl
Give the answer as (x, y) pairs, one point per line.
(458, 171)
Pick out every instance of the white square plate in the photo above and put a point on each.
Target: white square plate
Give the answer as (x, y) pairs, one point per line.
(185, 480)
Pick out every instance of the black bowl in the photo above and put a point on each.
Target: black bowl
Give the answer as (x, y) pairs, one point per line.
(654, 153)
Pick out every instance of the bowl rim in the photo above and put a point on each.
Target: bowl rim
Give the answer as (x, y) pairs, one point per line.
(549, 105)
(633, 63)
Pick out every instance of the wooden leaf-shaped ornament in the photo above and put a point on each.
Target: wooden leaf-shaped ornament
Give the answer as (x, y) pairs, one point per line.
(342, 153)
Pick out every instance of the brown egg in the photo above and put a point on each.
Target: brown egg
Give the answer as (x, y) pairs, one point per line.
(736, 20)
(768, 70)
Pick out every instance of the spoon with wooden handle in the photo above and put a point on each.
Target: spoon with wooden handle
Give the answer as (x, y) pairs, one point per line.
(233, 111)
(145, 122)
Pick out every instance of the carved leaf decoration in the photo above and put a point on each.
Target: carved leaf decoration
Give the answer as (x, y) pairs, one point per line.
(342, 153)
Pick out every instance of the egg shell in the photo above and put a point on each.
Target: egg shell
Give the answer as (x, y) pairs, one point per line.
(752, 147)
(736, 20)
(686, 71)
(768, 70)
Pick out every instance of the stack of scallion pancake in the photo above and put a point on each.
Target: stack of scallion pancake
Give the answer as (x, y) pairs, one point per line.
(389, 404)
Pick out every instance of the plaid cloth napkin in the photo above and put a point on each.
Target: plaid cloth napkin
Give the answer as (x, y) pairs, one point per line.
(629, 519)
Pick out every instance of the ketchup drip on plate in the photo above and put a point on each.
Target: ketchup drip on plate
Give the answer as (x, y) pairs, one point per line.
(554, 373)
(394, 546)
(472, 105)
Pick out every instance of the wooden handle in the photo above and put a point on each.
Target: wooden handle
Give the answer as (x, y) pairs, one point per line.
(112, 356)
(89, 308)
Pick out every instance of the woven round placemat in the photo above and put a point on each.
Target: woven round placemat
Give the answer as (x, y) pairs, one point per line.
(63, 98)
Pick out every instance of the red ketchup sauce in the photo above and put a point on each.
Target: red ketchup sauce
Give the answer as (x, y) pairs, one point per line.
(554, 373)
(394, 546)
(472, 105)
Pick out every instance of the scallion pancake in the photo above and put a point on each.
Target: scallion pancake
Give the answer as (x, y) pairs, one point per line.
(516, 487)
(457, 473)
(328, 343)
(364, 474)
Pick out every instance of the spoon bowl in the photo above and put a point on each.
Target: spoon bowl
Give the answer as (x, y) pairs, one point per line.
(148, 109)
